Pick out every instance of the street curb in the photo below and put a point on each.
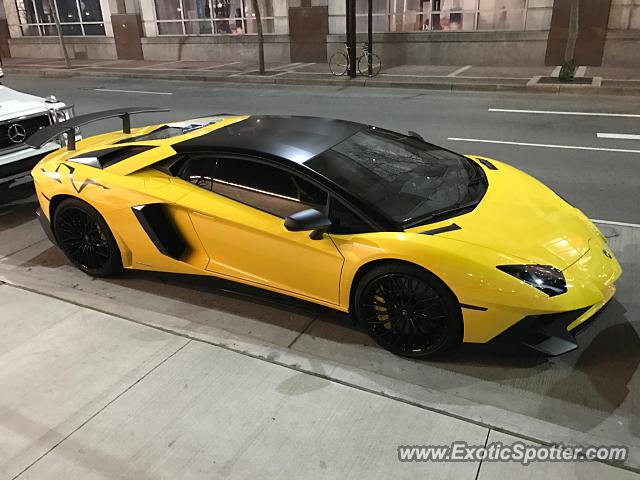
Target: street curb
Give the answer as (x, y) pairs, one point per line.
(530, 87)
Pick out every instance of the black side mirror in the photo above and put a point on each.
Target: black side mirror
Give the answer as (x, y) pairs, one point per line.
(305, 220)
(415, 135)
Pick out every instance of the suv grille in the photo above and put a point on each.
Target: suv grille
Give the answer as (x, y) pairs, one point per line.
(13, 133)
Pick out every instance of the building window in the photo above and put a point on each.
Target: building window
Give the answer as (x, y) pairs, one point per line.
(625, 15)
(77, 17)
(447, 15)
(212, 17)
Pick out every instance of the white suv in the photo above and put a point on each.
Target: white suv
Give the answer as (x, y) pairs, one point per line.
(21, 115)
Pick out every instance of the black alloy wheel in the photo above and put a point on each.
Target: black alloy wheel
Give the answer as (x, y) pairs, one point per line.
(408, 311)
(85, 238)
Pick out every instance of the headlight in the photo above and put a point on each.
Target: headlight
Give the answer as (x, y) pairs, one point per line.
(545, 278)
(61, 114)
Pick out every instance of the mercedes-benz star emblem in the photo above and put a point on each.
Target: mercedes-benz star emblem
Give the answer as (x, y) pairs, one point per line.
(17, 133)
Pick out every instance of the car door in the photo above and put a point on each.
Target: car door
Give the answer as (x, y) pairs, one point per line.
(239, 214)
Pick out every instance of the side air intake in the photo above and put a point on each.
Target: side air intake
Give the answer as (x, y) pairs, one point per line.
(161, 230)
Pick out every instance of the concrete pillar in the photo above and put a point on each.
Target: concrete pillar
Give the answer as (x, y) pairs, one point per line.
(5, 52)
(11, 14)
(337, 11)
(281, 23)
(147, 15)
(4, 33)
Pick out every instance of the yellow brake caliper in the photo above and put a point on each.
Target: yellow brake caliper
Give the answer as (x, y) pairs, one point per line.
(381, 311)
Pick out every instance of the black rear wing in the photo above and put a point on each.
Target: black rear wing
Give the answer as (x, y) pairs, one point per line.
(45, 135)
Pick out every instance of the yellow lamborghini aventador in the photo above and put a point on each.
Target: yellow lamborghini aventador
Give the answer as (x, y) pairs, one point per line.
(424, 247)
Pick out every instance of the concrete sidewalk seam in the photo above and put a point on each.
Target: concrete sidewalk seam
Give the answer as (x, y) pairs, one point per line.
(315, 374)
(302, 332)
(101, 409)
(486, 441)
(4, 257)
(457, 72)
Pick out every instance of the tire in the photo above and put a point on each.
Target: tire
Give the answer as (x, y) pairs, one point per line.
(408, 311)
(85, 239)
(338, 64)
(363, 65)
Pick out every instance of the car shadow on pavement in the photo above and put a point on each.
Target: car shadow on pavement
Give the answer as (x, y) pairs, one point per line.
(513, 356)
(18, 203)
(231, 297)
(223, 295)
(602, 372)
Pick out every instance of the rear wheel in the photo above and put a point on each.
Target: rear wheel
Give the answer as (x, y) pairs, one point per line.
(408, 311)
(85, 239)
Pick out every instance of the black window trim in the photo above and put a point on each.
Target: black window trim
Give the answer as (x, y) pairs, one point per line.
(184, 158)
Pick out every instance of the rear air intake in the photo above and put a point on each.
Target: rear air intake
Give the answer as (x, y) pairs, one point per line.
(108, 156)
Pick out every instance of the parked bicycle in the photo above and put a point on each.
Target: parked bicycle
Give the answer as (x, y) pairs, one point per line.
(339, 61)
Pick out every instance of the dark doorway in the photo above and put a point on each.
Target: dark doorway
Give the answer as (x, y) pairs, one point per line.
(127, 30)
(308, 29)
(594, 18)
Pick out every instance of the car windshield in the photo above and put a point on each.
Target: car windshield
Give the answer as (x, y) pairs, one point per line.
(408, 180)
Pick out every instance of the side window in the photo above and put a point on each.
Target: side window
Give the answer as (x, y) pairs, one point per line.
(266, 188)
(199, 171)
(344, 221)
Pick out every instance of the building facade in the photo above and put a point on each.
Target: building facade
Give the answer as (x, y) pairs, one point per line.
(446, 32)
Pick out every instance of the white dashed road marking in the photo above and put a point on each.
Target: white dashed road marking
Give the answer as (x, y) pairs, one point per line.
(619, 136)
(553, 112)
(618, 224)
(131, 91)
(543, 145)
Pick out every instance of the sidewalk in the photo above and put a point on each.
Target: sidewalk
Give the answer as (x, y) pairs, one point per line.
(589, 80)
(88, 395)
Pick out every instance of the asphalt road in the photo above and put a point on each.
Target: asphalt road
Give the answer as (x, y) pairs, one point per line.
(604, 184)
(590, 396)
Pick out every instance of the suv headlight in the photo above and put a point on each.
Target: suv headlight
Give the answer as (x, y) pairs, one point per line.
(61, 114)
(545, 278)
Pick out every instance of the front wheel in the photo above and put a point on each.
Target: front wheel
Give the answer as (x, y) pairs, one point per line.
(363, 64)
(408, 311)
(85, 238)
(339, 64)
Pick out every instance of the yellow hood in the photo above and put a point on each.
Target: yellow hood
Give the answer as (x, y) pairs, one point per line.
(523, 218)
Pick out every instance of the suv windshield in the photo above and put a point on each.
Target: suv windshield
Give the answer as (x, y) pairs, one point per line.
(408, 180)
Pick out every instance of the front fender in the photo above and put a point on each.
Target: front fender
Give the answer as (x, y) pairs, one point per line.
(468, 270)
